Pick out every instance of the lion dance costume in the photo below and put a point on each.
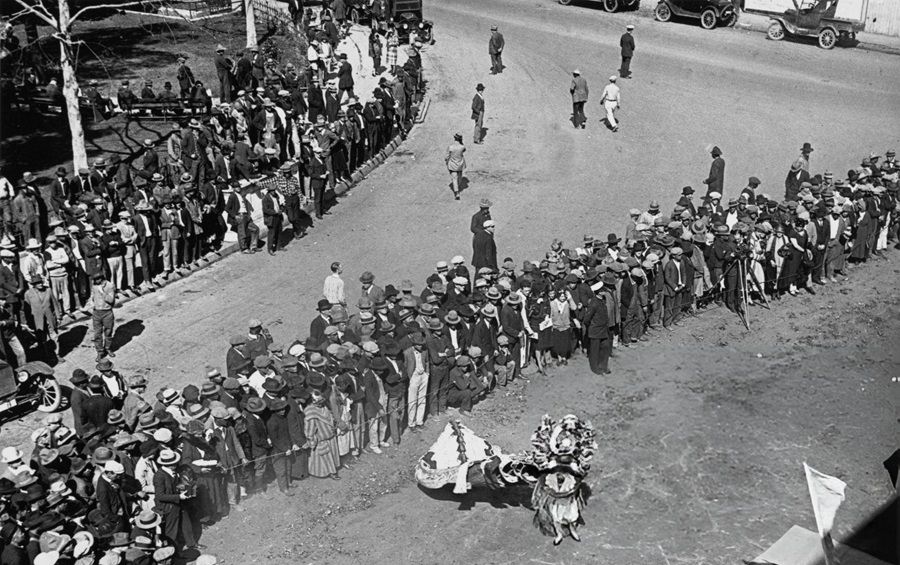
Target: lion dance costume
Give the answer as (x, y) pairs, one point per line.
(556, 466)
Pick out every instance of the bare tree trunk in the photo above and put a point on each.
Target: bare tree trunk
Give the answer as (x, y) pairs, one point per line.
(70, 89)
(251, 23)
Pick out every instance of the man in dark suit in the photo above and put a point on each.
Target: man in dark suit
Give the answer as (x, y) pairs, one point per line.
(384, 95)
(484, 249)
(236, 359)
(320, 322)
(170, 503)
(345, 78)
(626, 42)
(59, 192)
(272, 207)
(596, 328)
(239, 211)
(675, 278)
(112, 503)
(213, 200)
(440, 354)
(495, 50)
(478, 112)
(316, 102)
(147, 229)
(716, 180)
(481, 216)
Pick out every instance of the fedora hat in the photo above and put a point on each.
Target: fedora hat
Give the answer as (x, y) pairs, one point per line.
(168, 458)
(147, 520)
(452, 318)
(514, 298)
(256, 405)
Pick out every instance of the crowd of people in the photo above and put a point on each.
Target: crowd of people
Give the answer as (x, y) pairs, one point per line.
(143, 469)
(142, 472)
(136, 222)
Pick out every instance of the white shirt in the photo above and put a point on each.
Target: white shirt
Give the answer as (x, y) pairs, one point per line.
(334, 289)
(6, 188)
(611, 93)
(256, 381)
(420, 365)
(111, 384)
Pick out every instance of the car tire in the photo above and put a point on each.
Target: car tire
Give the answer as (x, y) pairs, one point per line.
(733, 20)
(50, 395)
(827, 38)
(565, 2)
(662, 12)
(708, 18)
(611, 5)
(775, 31)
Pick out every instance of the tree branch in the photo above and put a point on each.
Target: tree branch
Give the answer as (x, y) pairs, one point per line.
(38, 11)
(87, 9)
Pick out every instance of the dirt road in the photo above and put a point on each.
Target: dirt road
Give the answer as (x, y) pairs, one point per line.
(702, 439)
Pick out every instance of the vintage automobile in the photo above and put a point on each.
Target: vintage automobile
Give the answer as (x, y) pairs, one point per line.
(407, 18)
(815, 18)
(611, 5)
(30, 386)
(711, 13)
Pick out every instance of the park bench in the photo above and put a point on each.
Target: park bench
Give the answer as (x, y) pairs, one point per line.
(164, 109)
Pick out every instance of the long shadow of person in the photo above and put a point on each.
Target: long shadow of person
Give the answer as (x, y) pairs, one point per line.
(70, 339)
(126, 332)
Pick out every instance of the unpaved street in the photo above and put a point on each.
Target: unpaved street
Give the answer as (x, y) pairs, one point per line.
(702, 433)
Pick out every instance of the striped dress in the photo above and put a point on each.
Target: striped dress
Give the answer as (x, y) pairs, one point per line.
(320, 432)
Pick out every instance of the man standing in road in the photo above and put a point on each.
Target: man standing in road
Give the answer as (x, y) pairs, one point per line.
(481, 216)
(478, 112)
(627, 45)
(579, 91)
(484, 249)
(610, 101)
(716, 180)
(495, 48)
(103, 294)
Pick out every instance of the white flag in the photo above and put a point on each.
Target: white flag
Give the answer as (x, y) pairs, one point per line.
(826, 493)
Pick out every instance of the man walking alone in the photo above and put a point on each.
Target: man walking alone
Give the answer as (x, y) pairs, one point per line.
(579, 91)
(478, 112)
(610, 100)
(495, 49)
(627, 45)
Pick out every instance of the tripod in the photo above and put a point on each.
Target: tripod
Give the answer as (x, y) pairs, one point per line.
(743, 271)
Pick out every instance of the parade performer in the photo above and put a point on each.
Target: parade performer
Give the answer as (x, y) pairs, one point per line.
(557, 467)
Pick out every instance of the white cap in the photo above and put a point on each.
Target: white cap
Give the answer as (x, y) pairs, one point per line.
(613, 78)
(460, 280)
(458, 260)
(714, 195)
(442, 265)
(113, 467)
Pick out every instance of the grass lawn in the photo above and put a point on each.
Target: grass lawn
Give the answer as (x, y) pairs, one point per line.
(126, 46)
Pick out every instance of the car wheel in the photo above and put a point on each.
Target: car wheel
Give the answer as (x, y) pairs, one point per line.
(708, 18)
(775, 31)
(565, 2)
(610, 5)
(354, 17)
(49, 395)
(663, 13)
(827, 38)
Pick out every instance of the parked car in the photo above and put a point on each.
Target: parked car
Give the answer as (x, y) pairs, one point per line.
(407, 18)
(611, 5)
(359, 11)
(815, 18)
(711, 13)
(32, 385)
